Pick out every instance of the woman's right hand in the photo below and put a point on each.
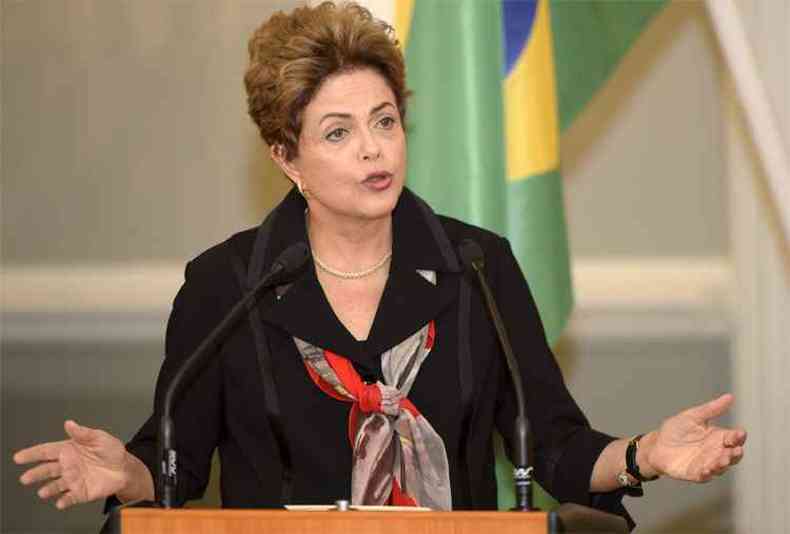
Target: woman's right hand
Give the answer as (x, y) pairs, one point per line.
(91, 465)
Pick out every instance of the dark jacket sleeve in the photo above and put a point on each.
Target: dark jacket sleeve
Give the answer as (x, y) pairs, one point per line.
(565, 447)
(198, 410)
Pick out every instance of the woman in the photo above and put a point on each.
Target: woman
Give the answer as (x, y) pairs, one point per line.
(384, 319)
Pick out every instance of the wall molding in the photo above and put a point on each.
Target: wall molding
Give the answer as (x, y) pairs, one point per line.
(90, 288)
(620, 298)
(652, 298)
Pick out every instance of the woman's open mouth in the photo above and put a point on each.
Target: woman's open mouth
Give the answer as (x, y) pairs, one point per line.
(378, 181)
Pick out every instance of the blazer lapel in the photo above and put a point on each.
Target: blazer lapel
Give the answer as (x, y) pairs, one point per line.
(408, 302)
(304, 312)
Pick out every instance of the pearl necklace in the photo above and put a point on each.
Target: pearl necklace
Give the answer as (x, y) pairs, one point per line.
(346, 275)
(350, 275)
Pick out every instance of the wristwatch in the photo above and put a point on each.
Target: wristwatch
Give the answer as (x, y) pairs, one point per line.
(630, 460)
(631, 478)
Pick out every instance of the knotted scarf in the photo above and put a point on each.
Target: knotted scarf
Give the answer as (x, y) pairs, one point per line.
(398, 458)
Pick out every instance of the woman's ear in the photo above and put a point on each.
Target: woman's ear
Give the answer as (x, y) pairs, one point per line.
(278, 155)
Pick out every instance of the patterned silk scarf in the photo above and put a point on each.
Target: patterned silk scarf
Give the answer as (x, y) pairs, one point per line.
(398, 458)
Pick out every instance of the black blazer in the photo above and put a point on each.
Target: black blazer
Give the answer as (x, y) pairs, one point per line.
(281, 439)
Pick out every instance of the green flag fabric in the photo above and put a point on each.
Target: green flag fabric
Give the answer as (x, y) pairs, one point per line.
(494, 83)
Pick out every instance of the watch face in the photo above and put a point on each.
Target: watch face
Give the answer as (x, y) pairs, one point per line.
(623, 479)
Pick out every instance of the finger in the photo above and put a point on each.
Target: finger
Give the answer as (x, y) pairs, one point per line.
(44, 452)
(40, 472)
(66, 500)
(56, 487)
(721, 467)
(711, 409)
(735, 438)
(79, 433)
(737, 455)
(719, 472)
(724, 461)
(705, 475)
(713, 470)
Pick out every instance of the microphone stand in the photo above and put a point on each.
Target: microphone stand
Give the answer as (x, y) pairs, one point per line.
(567, 517)
(522, 472)
(289, 261)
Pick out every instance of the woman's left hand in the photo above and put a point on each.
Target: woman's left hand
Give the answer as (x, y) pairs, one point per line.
(688, 447)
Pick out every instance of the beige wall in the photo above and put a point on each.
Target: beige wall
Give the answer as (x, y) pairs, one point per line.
(643, 166)
(761, 253)
(125, 133)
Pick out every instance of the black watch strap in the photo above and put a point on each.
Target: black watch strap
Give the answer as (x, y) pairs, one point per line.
(631, 467)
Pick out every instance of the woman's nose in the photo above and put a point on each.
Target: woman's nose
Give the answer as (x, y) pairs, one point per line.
(370, 149)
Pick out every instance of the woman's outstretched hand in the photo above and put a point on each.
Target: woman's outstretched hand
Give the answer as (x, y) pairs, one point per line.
(91, 465)
(687, 446)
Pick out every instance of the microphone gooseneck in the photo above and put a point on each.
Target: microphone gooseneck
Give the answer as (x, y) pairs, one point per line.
(474, 261)
(288, 262)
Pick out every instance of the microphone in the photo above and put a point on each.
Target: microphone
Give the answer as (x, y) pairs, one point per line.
(288, 262)
(474, 260)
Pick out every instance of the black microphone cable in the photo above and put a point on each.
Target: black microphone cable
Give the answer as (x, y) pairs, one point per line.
(288, 262)
(473, 259)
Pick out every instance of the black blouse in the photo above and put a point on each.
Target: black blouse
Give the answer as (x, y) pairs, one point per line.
(462, 388)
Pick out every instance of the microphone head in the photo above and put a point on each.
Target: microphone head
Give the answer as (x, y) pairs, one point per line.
(471, 254)
(293, 258)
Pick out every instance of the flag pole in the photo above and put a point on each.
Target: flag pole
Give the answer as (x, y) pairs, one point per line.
(755, 103)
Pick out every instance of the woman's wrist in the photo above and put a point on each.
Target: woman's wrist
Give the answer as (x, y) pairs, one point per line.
(643, 454)
(138, 484)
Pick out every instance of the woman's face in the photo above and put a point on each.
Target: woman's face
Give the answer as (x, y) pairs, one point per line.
(352, 148)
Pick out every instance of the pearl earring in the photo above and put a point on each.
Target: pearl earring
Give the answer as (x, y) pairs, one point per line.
(302, 190)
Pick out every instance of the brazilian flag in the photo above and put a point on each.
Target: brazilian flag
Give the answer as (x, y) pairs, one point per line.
(495, 82)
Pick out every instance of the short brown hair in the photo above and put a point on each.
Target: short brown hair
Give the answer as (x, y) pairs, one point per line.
(291, 55)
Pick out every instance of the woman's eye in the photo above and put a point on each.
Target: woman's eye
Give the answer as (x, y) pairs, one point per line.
(387, 122)
(336, 135)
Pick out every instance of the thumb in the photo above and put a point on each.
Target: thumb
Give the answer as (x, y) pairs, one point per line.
(80, 434)
(712, 409)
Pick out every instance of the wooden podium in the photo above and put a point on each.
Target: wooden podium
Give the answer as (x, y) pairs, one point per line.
(568, 518)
